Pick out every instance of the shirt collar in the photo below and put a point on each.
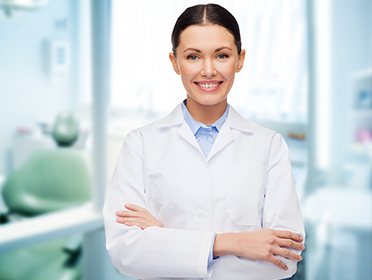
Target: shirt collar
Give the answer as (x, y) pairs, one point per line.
(234, 120)
(195, 125)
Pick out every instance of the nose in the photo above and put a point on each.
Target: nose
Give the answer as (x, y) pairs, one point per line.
(208, 69)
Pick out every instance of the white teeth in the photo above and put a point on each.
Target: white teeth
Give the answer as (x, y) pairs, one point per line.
(210, 85)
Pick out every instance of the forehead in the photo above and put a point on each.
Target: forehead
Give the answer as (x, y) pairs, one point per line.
(206, 36)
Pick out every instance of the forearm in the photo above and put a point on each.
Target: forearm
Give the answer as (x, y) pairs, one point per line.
(258, 251)
(148, 253)
(225, 244)
(265, 245)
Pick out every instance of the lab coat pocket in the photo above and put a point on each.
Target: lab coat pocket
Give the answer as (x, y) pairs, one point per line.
(245, 195)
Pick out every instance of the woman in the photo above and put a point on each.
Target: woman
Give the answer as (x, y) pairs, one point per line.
(207, 194)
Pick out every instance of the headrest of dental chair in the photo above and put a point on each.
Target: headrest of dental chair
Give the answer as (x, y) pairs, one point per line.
(65, 129)
(50, 180)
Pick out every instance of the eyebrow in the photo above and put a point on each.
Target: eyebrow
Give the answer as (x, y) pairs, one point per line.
(199, 51)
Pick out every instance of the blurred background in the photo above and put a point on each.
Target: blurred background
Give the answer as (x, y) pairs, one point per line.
(76, 76)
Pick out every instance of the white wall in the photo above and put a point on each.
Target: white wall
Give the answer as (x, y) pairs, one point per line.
(28, 94)
(351, 52)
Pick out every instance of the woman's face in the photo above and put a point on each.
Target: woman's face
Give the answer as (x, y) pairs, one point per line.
(207, 60)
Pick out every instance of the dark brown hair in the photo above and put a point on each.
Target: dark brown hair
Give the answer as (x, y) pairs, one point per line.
(204, 14)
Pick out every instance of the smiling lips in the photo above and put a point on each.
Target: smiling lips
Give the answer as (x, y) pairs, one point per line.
(208, 85)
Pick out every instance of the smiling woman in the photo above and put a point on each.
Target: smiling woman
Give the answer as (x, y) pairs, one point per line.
(207, 60)
(203, 192)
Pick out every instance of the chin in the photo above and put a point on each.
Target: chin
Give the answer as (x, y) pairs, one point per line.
(208, 101)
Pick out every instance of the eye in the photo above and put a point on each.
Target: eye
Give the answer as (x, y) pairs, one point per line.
(222, 56)
(192, 57)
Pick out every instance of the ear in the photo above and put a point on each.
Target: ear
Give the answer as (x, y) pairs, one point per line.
(241, 61)
(173, 59)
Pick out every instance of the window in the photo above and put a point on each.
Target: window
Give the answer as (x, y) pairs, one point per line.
(271, 86)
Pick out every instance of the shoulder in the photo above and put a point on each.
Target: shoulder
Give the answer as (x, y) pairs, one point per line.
(174, 118)
(262, 136)
(238, 122)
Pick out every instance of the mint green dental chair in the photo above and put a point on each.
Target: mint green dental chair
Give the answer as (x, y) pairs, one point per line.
(49, 180)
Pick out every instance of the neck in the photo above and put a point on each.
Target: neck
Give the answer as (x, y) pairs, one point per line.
(206, 114)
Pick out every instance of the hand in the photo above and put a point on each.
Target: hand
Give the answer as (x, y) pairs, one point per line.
(263, 245)
(137, 216)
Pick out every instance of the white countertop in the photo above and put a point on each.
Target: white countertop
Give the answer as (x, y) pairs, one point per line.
(48, 226)
(341, 207)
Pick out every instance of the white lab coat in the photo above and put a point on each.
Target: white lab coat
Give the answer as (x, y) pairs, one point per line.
(244, 184)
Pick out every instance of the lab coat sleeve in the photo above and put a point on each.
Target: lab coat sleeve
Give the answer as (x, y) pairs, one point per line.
(281, 205)
(153, 252)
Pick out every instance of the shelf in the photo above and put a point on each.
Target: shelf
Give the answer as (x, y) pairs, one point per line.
(362, 149)
(362, 117)
(363, 74)
(363, 113)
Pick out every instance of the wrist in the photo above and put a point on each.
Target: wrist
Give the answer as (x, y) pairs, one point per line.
(225, 244)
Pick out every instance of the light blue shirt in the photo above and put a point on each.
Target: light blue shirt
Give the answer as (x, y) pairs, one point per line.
(205, 135)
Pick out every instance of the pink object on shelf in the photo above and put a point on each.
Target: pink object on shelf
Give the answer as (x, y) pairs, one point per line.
(364, 136)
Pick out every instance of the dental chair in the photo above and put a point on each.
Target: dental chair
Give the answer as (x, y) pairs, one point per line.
(49, 180)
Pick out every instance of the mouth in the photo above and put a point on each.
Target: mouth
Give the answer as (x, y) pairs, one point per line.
(208, 85)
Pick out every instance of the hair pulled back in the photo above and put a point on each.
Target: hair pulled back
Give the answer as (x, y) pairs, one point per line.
(206, 14)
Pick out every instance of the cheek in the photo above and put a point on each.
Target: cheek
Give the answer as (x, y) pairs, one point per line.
(227, 70)
(188, 71)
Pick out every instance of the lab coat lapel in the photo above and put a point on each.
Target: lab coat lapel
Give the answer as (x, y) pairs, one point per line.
(224, 138)
(175, 118)
(185, 132)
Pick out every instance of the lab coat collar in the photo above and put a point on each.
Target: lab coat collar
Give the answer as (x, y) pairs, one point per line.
(224, 138)
(173, 119)
(234, 120)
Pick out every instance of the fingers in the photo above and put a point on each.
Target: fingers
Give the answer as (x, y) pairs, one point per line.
(132, 218)
(286, 253)
(128, 214)
(139, 221)
(134, 214)
(277, 262)
(132, 222)
(288, 235)
(288, 243)
(134, 207)
(137, 216)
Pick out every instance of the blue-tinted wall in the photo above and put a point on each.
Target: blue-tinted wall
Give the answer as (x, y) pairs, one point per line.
(28, 92)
